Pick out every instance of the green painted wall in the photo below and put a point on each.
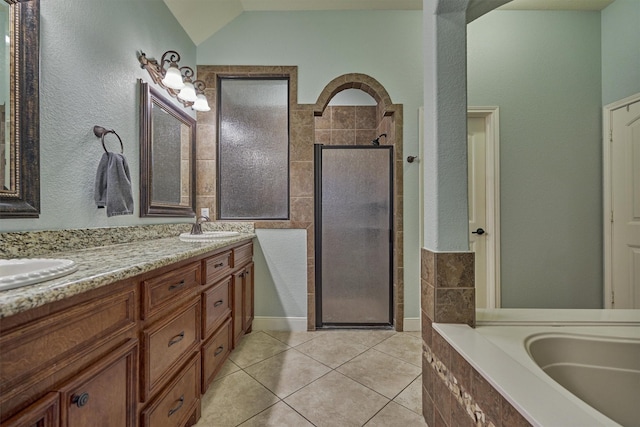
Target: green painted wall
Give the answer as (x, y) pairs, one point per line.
(620, 50)
(387, 45)
(88, 76)
(543, 70)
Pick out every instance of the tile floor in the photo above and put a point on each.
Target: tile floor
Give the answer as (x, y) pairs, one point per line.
(335, 378)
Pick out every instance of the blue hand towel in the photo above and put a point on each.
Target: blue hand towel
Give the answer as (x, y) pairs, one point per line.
(113, 185)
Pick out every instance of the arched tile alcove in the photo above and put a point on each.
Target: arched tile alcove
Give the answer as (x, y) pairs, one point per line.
(388, 121)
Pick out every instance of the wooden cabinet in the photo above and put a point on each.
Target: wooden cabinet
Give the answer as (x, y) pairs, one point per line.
(247, 298)
(242, 291)
(217, 267)
(214, 353)
(179, 400)
(167, 344)
(106, 391)
(136, 352)
(216, 306)
(238, 305)
(46, 346)
(162, 291)
(44, 413)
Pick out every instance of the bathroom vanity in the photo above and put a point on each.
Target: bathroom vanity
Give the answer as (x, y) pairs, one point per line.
(133, 340)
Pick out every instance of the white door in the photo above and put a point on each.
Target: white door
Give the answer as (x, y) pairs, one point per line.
(625, 203)
(476, 149)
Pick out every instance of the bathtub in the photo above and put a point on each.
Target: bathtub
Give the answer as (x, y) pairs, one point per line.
(558, 367)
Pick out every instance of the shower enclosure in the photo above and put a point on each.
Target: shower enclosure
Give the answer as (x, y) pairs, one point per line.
(354, 235)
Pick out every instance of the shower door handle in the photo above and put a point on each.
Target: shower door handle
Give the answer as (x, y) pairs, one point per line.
(479, 232)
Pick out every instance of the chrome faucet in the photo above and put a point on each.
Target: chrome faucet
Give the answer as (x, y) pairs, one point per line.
(197, 227)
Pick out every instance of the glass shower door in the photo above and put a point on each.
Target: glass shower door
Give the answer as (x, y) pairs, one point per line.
(354, 205)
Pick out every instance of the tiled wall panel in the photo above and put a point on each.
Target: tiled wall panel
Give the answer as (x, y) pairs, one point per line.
(454, 393)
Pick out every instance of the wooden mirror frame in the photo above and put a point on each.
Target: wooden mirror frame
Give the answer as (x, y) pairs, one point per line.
(24, 202)
(149, 207)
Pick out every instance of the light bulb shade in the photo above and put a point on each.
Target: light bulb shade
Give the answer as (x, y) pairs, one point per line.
(173, 78)
(188, 93)
(201, 103)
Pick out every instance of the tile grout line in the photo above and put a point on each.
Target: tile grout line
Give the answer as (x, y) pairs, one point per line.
(369, 347)
(331, 369)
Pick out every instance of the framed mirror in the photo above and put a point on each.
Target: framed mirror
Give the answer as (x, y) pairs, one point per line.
(19, 109)
(167, 157)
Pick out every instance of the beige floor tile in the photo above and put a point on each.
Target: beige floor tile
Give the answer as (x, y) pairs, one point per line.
(366, 337)
(287, 372)
(403, 346)
(411, 397)
(330, 350)
(417, 334)
(335, 400)
(380, 372)
(256, 347)
(279, 415)
(227, 368)
(294, 338)
(234, 399)
(394, 415)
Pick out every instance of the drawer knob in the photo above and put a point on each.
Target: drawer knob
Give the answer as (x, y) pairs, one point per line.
(176, 339)
(218, 303)
(176, 286)
(220, 264)
(80, 399)
(219, 350)
(177, 408)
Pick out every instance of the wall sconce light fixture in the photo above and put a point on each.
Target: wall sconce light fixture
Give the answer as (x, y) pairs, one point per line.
(176, 80)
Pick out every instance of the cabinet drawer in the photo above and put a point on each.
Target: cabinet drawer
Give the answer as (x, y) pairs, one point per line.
(216, 306)
(37, 350)
(105, 391)
(162, 289)
(214, 353)
(217, 267)
(177, 403)
(167, 344)
(242, 255)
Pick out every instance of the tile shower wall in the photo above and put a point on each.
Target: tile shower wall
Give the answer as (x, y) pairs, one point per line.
(347, 125)
(454, 394)
(303, 121)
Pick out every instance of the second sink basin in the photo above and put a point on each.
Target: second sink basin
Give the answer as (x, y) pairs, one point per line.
(15, 273)
(208, 236)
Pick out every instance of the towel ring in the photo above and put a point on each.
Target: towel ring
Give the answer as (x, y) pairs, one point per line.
(100, 132)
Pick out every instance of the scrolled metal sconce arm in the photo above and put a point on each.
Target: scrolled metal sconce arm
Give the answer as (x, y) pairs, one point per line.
(157, 72)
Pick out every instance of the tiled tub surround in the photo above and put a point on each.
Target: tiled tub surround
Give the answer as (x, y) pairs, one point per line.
(516, 392)
(101, 261)
(448, 296)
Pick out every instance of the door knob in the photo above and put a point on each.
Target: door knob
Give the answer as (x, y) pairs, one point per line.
(479, 232)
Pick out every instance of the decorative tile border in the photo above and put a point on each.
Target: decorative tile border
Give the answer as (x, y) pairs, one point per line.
(473, 410)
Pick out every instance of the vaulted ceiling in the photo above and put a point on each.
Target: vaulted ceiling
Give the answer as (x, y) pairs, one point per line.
(202, 18)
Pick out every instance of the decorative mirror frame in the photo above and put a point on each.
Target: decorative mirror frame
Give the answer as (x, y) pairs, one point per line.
(25, 111)
(148, 207)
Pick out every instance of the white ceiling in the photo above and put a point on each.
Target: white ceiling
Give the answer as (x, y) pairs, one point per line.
(202, 18)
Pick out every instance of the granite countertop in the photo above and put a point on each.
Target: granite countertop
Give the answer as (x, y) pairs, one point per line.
(103, 265)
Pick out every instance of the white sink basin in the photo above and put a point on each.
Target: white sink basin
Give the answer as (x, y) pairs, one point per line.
(208, 236)
(15, 273)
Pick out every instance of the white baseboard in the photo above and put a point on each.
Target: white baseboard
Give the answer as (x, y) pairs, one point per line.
(412, 324)
(300, 324)
(279, 323)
